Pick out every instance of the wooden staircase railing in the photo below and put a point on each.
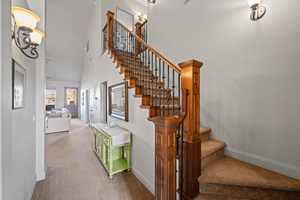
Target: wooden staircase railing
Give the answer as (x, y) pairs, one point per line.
(172, 95)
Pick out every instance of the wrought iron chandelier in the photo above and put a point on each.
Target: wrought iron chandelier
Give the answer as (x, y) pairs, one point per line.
(27, 38)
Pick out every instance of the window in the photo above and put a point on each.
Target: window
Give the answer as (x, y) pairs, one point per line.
(50, 99)
(71, 101)
(71, 96)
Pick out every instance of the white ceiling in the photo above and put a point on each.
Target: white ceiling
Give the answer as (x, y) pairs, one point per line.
(66, 25)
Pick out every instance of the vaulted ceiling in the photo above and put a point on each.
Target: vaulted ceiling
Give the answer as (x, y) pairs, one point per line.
(66, 25)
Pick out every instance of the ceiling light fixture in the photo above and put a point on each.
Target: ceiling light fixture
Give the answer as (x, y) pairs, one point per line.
(142, 17)
(257, 9)
(27, 38)
(152, 1)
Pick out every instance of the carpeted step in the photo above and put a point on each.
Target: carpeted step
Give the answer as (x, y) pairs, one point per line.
(237, 179)
(211, 150)
(204, 133)
(215, 197)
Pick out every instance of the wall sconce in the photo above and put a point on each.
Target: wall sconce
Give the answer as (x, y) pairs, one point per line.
(257, 9)
(142, 17)
(26, 37)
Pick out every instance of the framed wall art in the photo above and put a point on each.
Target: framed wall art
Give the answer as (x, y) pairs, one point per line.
(118, 101)
(18, 85)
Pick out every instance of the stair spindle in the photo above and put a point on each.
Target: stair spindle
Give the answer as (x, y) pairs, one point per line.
(173, 88)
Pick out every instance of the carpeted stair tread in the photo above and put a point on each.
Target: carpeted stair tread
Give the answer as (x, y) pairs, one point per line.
(215, 197)
(230, 171)
(204, 130)
(211, 146)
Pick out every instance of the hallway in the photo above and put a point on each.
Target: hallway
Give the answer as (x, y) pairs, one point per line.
(74, 173)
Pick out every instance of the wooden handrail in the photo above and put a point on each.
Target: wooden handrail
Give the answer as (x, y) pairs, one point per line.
(105, 27)
(173, 66)
(145, 22)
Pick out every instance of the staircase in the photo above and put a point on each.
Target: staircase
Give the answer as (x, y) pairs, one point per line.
(158, 83)
(149, 85)
(225, 178)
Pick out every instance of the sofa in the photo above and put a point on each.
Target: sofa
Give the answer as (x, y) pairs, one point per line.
(58, 121)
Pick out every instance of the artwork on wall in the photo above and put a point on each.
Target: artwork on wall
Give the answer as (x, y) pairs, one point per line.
(18, 85)
(118, 101)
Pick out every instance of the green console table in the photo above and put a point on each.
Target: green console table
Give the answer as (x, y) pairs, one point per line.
(112, 147)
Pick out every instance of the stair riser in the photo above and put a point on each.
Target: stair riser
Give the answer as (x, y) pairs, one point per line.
(151, 92)
(216, 197)
(151, 84)
(165, 101)
(212, 158)
(139, 71)
(204, 137)
(168, 112)
(247, 192)
(146, 101)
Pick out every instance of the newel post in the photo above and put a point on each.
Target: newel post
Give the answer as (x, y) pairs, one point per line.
(110, 17)
(190, 80)
(138, 32)
(165, 157)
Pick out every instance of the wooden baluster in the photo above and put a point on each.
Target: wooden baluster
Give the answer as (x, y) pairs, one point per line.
(190, 80)
(110, 20)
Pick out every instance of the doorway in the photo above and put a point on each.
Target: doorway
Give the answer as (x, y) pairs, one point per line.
(125, 18)
(71, 101)
(87, 106)
(103, 101)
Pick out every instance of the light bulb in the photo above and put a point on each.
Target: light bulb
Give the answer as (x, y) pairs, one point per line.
(25, 18)
(36, 36)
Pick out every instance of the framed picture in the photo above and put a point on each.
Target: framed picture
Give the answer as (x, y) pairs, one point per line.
(118, 101)
(18, 85)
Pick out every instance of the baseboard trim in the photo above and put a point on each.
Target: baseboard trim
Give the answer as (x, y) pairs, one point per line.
(282, 168)
(144, 180)
(40, 175)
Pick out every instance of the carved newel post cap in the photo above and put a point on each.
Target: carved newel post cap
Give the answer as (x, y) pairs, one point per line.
(138, 25)
(191, 63)
(169, 122)
(110, 14)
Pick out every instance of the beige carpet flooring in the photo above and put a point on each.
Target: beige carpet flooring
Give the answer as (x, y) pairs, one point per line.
(74, 172)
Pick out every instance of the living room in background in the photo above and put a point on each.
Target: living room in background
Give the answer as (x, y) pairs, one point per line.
(50, 98)
(71, 101)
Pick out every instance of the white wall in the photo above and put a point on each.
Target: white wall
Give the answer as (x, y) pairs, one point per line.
(250, 76)
(23, 174)
(66, 69)
(99, 68)
(60, 90)
(18, 131)
(5, 92)
(39, 6)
